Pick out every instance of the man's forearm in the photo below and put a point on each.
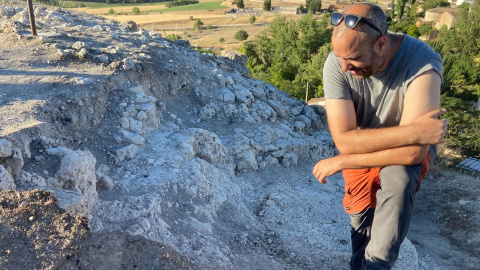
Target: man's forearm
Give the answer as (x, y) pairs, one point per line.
(361, 141)
(407, 155)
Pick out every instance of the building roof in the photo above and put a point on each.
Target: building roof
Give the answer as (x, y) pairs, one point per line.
(440, 10)
(470, 164)
(317, 101)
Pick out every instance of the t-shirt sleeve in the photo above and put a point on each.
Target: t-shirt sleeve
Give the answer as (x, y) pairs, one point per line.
(334, 82)
(424, 63)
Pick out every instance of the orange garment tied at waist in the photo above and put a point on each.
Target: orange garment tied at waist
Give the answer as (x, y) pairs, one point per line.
(361, 186)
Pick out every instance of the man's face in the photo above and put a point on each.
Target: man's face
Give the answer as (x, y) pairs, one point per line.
(356, 55)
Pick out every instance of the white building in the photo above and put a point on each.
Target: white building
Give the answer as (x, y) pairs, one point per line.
(459, 2)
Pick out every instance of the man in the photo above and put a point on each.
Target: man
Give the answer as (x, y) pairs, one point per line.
(382, 93)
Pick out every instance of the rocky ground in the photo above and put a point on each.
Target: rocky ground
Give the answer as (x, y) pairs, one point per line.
(122, 150)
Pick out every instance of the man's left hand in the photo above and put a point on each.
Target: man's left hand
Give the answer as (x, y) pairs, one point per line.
(327, 167)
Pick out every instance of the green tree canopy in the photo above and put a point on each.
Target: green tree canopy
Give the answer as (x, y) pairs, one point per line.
(240, 4)
(267, 5)
(197, 25)
(429, 4)
(284, 53)
(314, 6)
(241, 35)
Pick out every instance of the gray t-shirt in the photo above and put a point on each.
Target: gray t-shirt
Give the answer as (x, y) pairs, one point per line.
(378, 100)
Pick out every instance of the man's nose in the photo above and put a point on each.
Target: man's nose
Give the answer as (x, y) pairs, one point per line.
(345, 65)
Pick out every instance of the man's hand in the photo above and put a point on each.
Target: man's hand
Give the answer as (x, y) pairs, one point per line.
(431, 129)
(327, 167)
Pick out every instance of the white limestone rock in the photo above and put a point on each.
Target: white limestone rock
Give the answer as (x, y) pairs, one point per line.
(258, 92)
(278, 107)
(77, 173)
(227, 96)
(127, 152)
(5, 148)
(208, 111)
(132, 137)
(33, 178)
(83, 81)
(289, 160)
(79, 45)
(6, 179)
(9, 26)
(230, 110)
(128, 63)
(135, 125)
(247, 161)
(15, 162)
(103, 58)
(243, 95)
(103, 180)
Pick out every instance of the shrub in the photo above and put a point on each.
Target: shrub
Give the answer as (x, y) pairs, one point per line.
(240, 4)
(241, 35)
(209, 27)
(136, 10)
(314, 6)
(221, 39)
(174, 37)
(177, 3)
(111, 11)
(252, 19)
(267, 5)
(197, 25)
(191, 18)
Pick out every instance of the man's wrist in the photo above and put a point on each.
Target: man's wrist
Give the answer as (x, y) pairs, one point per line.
(342, 161)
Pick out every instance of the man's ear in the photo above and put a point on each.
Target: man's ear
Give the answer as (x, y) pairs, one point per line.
(381, 44)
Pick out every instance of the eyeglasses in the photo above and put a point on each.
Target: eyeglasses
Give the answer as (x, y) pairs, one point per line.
(351, 21)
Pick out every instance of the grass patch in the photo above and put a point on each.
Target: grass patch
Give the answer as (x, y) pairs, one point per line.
(199, 6)
(92, 5)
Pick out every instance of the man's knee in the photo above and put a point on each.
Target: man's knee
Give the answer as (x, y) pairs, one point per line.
(398, 177)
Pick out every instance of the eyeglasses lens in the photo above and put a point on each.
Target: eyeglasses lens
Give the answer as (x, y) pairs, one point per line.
(336, 18)
(351, 21)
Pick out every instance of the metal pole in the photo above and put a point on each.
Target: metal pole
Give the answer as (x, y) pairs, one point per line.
(306, 94)
(32, 17)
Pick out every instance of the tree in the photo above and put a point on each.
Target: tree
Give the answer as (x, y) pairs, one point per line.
(240, 4)
(425, 29)
(391, 12)
(197, 25)
(314, 5)
(429, 4)
(413, 31)
(400, 8)
(136, 10)
(241, 35)
(252, 19)
(283, 53)
(267, 5)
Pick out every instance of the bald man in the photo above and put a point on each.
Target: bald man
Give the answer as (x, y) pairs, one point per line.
(382, 93)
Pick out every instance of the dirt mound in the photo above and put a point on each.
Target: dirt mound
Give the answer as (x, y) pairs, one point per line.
(36, 233)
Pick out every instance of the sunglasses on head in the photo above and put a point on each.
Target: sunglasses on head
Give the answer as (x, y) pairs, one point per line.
(351, 21)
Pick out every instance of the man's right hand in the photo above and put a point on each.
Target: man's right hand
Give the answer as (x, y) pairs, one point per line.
(429, 129)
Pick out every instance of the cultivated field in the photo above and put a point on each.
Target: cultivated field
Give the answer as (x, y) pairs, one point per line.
(180, 21)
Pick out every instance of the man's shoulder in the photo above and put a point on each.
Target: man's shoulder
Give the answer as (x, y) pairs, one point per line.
(419, 49)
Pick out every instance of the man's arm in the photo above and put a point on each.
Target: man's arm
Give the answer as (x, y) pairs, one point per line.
(419, 111)
(413, 129)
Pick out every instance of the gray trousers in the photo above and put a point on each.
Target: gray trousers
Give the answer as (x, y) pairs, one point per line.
(378, 233)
